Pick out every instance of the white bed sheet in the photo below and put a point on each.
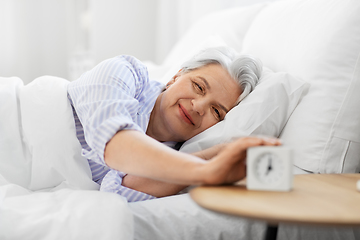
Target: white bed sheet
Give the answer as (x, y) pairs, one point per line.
(180, 218)
(46, 191)
(63, 214)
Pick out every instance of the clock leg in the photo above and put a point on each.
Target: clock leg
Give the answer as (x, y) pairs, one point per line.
(271, 232)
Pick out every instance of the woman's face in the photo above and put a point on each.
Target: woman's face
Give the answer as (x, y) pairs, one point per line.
(193, 102)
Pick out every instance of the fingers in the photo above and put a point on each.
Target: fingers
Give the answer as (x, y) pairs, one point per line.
(237, 172)
(247, 142)
(269, 141)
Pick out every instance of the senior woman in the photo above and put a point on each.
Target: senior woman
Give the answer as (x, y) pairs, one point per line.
(122, 120)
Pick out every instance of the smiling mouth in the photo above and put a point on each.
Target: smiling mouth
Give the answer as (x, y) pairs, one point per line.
(185, 115)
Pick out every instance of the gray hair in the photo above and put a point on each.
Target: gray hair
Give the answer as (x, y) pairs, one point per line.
(245, 69)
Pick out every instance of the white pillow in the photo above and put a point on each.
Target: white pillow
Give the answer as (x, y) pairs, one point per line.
(229, 25)
(318, 41)
(263, 112)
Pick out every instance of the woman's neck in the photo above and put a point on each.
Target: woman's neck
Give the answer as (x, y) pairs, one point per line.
(155, 128)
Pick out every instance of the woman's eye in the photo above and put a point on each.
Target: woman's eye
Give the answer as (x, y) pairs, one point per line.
(217, 113)
(199, 87)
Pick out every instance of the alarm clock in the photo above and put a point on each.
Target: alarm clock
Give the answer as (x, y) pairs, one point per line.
(269, 168)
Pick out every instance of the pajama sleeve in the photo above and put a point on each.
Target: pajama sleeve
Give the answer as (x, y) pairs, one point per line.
(106, 100)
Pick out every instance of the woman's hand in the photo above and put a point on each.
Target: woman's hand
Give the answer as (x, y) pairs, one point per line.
(229, 165)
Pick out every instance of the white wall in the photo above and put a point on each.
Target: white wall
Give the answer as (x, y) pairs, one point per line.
(66, 37)
(124, 27)
(33, 38)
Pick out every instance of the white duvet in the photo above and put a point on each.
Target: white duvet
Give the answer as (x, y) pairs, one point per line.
(46, 191)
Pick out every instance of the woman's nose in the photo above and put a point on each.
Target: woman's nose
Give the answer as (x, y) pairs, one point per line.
(199, 106)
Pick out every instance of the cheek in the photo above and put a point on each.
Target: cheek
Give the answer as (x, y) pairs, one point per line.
(168, 98)
(208, 122)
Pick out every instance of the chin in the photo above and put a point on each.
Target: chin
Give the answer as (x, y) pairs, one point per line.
(182, 136)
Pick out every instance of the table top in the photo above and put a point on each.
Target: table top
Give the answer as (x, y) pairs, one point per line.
(324, 199)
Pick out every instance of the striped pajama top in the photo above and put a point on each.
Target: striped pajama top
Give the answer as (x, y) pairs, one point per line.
(115, 95)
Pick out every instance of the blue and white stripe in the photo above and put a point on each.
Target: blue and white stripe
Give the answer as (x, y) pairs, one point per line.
(112, 183)
(115, 95)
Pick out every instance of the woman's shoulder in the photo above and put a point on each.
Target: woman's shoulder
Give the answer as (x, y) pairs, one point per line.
(125, 71)
(127, 63)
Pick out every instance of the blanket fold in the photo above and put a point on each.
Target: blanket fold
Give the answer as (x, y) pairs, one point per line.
(46, 188)
(39, 149)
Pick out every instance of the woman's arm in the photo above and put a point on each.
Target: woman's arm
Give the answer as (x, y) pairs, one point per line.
(151, 159)
(152, 187)
(138, 154)
(160, 188)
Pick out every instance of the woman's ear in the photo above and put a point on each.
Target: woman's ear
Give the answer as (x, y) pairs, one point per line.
(170, 83)
(173, 79)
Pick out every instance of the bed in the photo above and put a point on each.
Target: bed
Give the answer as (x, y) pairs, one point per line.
(308, 96)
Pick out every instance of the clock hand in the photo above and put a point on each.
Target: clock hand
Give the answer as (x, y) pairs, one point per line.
(269, 166)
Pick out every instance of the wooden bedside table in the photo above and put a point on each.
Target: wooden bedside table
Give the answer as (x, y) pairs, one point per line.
(322, 199)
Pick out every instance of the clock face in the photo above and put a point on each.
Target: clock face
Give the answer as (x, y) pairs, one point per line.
(269, 168)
